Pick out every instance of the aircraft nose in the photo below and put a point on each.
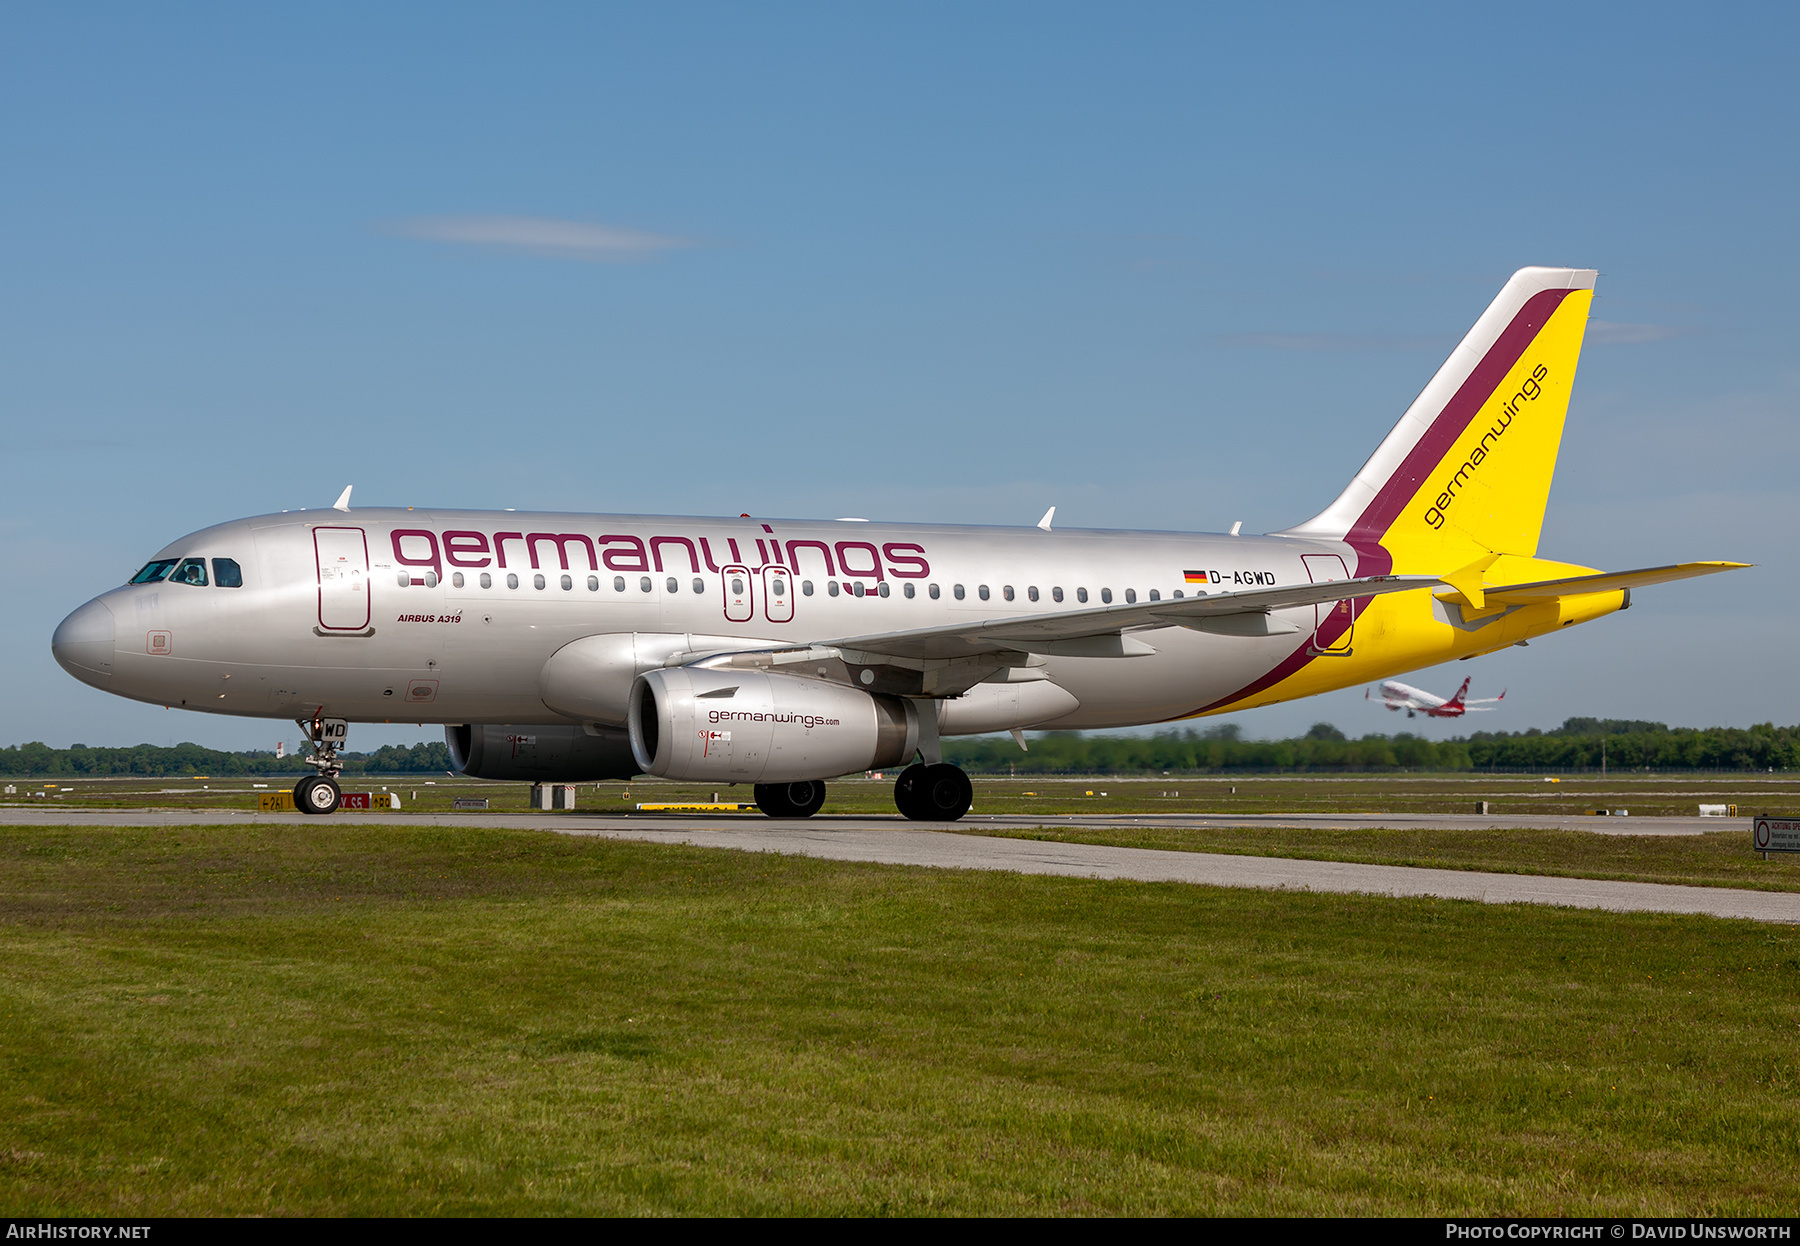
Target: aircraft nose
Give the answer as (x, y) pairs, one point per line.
(83, 644)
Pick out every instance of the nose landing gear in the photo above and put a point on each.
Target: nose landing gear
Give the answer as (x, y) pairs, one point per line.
(940, 793)
(319, 793)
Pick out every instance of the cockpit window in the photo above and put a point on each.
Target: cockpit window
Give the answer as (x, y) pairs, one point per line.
(153, 571)
(227, 574)
(191, 571)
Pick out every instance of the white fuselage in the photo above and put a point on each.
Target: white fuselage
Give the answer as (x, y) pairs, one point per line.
(451, 616)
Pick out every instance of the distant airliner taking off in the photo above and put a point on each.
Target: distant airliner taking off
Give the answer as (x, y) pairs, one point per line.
(781, 653)
(1398, 696)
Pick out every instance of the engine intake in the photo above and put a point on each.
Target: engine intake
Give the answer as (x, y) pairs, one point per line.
(542, 753)
(754, 727)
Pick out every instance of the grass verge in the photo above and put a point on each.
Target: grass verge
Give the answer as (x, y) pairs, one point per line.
(1722, 859)
(378, 1020)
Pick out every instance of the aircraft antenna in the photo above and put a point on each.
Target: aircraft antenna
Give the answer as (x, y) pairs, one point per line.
(1044, 523)
(343, 502)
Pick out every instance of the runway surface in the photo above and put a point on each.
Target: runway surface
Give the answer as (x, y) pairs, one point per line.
(48, 813)
(893, 841)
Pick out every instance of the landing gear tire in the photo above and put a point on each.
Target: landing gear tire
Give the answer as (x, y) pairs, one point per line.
(790, 800)
(316, 794)
(940, 793)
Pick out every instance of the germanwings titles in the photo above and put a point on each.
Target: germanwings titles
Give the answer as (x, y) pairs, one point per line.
(782, 653)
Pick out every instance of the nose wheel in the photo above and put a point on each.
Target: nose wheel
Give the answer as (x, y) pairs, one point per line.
(790, 800)
(940, 793)
(316, 794)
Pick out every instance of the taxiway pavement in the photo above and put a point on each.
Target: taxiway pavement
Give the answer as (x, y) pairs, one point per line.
(893, 841)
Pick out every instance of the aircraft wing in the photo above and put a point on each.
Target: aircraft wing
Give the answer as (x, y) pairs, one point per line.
(1605, 582)
(1063, 631)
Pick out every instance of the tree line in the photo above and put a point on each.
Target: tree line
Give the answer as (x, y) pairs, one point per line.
(1579, 744)
(81, 761)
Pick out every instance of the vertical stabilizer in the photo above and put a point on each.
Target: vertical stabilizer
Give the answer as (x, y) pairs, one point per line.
(1467, 469)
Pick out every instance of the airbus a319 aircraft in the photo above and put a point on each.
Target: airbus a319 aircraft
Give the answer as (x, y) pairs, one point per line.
(1398, 696)
(782, 653)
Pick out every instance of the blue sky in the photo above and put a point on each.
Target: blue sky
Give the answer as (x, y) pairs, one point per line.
(1160, 266)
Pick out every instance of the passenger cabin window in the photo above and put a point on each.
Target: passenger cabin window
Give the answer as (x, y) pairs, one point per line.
(674, 585)
(909, 590)
(1131, 597)
(191, 571)
(537, 581)
(1081, 595)
(958, 591)
(512, 581)
(644, 584)
(567, 583)
(856, 588)
(618, 584)
(700, 587)
(983, 590)
(227, 574)
(153, 571)
(831, 588)
(456, 580)
(1106, 596)
(1155, 595)
(805, 588)
(1056, 594)
(882, 588)
(1007, 592)
(1032, 592)
(1177, 594)
(593, 584)
(933, 590)
(487, 581)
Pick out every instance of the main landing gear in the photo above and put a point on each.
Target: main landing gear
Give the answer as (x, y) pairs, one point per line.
(940, 793)
(790, 800)
(318, 793)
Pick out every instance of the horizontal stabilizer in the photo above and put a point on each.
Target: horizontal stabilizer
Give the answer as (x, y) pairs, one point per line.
(1604, 582)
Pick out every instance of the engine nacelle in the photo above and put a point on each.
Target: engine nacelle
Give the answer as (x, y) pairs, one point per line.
(753, 727)
(541, 753)
(590, 679)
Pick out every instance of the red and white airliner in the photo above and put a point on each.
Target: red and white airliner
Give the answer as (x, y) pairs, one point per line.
(1398, 696)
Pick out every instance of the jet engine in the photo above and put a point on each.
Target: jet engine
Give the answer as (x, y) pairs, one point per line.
(753, 727)
(590, 679)
(541, 753)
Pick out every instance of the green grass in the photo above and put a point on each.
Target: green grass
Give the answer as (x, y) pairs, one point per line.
(373, 1020)
(1719, 859)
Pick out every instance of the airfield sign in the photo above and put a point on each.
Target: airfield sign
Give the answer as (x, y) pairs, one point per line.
(1775, 835)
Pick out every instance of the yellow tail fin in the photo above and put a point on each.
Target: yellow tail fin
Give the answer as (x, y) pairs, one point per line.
(1467, 470)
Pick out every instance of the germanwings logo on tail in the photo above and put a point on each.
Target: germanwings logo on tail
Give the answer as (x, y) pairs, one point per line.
(1530, 391)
